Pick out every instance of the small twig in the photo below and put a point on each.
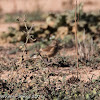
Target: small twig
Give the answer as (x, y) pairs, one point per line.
(27, 37)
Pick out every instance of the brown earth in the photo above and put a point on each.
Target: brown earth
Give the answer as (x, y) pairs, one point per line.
(9, 6)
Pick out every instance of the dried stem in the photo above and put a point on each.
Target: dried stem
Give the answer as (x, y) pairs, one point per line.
(76, 42)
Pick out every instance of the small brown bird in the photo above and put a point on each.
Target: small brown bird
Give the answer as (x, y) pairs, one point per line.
(50, 50)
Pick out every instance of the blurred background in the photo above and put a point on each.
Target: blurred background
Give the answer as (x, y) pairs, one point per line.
(12, 6)
(37, 12)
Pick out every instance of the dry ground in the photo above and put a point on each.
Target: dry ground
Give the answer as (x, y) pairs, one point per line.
(85, 73)
(45, 5)
(7, 60)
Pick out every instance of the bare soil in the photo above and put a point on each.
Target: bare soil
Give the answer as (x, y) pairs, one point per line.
(9, 6)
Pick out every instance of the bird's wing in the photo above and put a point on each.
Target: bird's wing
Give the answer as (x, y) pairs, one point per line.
(48, 49)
